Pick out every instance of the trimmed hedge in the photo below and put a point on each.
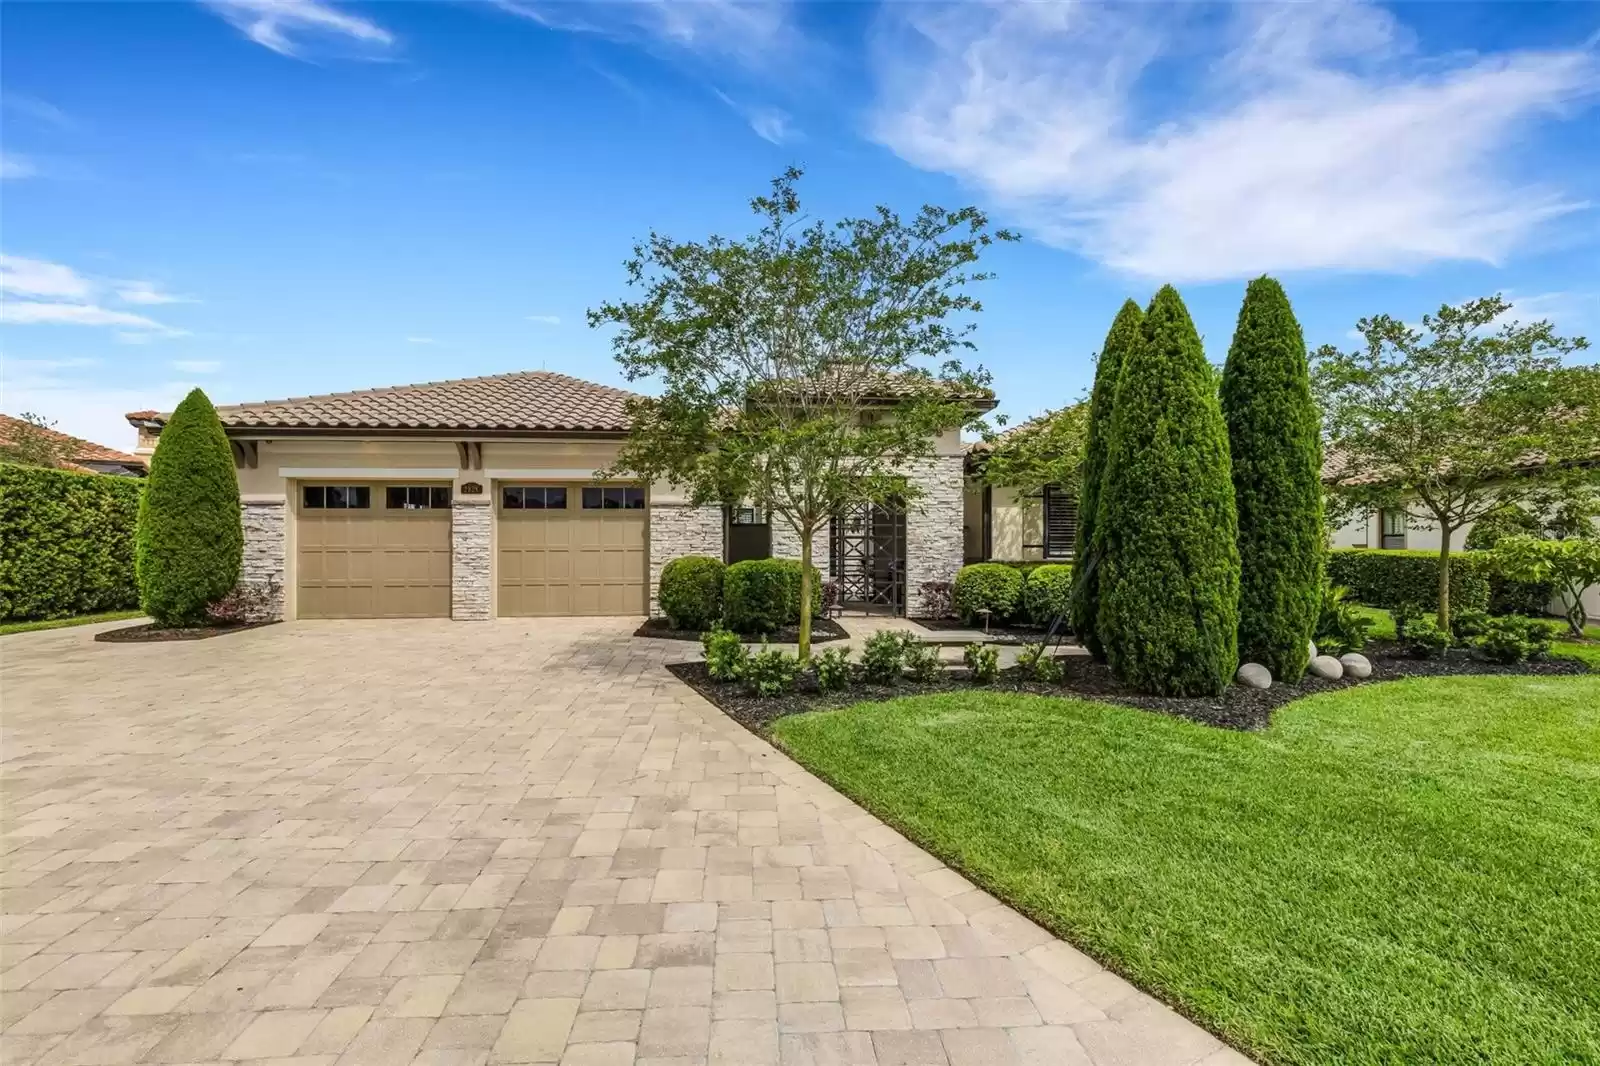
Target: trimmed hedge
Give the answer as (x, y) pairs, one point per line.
(1127, 333)
(763, 595)
(191, 539)
(1388, 578)
(1047, 593)
(1275, 443)
(1169, 569)
(690, 592)
(66, 542)
(993, 587)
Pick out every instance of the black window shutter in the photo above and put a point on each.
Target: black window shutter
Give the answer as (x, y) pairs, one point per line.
(1060, 523)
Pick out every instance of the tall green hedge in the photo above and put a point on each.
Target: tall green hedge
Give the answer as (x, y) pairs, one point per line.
(1169, 581)
(191, 540)
(1126, 334)
(66, 542)
(1389, 578)
(1275, 444)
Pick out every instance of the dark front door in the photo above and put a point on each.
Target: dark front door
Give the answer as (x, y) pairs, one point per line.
(749, 535)
(868, 556)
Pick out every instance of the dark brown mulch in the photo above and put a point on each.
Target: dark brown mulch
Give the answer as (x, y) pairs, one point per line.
(997, 634)
(150, 633)
(822, 631)
(1237, 708)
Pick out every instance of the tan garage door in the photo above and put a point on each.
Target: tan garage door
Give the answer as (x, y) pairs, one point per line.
(571, 549)
(373, 551)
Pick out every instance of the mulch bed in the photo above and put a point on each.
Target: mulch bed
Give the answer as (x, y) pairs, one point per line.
(822, 631)
(150, 633)
(997, 634)
(1237, 708)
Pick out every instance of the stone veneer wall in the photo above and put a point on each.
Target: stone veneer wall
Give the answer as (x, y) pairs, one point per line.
(471, 537)
(265, 552)
(677, 530)
(786, 544)
(934, 531)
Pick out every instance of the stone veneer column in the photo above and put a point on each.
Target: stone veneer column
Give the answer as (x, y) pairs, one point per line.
(471, 532)
(934, 549)
(265, 551)
(677, 530)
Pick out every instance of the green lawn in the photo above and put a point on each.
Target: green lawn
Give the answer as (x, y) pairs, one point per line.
(61, 623)
(1398, 873)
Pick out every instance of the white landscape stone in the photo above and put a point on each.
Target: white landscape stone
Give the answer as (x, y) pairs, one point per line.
(1356, 664)
(1311, 646)
(1327, 667)
(1254, 675)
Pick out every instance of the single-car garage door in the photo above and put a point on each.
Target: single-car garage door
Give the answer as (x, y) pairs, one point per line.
(571, 550)
(373, 551)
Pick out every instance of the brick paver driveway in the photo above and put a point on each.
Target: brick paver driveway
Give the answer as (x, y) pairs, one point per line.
(423, 842)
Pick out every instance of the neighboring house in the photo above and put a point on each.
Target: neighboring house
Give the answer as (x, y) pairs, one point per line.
(478, 498)
(1008, 525)
(77, 454)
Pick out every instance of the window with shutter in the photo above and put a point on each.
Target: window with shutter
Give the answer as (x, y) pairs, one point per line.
(1060, 523)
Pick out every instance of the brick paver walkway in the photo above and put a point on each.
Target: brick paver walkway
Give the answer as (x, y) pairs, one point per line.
(436, 843)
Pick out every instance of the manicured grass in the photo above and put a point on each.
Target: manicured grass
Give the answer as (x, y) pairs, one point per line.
(62, 623)
(1396, 873)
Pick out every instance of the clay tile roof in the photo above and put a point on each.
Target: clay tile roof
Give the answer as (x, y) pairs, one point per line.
(532, 400)
(82, 451)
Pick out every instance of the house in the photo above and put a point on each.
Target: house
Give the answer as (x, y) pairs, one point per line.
(479, 498)
(1007, 524)
(74, 453)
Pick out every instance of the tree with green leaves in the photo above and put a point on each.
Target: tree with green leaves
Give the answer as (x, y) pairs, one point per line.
(1041, 452)
(804, 368)
(1169, 565)
(1126, 334)
(1466, 414)
(190, 544)
(1572, 565)
(1275, 446)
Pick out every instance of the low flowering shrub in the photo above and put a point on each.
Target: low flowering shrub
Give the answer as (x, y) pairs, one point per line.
(1037, 665)
(922, 661)
(769, 672)
(883, 657)
(833, 669)
(245, 604)
(983, 661)
(937, 599)
(725, 654)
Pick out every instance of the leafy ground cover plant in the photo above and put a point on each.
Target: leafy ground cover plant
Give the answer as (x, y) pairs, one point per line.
(983, 661)
(1341, 625)
(725, 654)
(1423, 639)
(1037, 665)
(883, 657)
(833, 669)
(922, 660)
(769, 672)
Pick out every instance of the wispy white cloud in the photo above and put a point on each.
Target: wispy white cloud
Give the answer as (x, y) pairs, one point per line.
(34, 108)
(287, 26)
(197, 366)
(545, 320)
(13, 165)
(56, 294)
(1311, 136)
(769, 123)
(148, 293)
(1569, 311)
(73, 393)
(751, 32)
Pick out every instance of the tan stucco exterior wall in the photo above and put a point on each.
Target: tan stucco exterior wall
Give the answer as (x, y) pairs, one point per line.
(1017, 524)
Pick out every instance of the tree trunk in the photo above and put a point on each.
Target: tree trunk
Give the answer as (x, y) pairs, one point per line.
(1576, 616)
(804, 651)
(1443, 617)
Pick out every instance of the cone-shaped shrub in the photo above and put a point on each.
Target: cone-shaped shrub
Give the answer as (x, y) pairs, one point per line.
(190, 544)
(1125, 334)
(1169, 584)
(1275, 442)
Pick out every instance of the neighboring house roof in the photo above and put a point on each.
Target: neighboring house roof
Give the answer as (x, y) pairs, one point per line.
(525, 401)
(1338, 468)
(84, 454)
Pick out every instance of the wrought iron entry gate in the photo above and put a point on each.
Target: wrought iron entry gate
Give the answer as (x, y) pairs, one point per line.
(868, 556)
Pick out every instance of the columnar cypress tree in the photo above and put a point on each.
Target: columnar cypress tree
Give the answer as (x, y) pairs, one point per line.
(1274, 437)
(1124, 335)
(1169, 586)
(191, 542)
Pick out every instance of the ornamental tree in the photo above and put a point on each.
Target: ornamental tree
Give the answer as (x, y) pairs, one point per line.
(1275, 445)
(190, 544)
(1454, 419)
(1044, 451)
(806, 367)
(1126, 334)
(1169, 566)
(1573, 565)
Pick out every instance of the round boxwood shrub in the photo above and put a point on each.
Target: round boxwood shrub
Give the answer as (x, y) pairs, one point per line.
(1047, 593)
(690, 593)
(191, 543)
(992, 587)
(763, 595)
(1126, 333)
(1169, 573)
(792, 568)
(1275, 442)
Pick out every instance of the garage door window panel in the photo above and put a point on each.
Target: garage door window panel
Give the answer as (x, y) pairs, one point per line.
(416, 497)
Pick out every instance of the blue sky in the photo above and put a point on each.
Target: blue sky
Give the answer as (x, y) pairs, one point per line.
(272, 199)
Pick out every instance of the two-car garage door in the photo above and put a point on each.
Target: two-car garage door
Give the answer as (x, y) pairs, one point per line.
(382, 550)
